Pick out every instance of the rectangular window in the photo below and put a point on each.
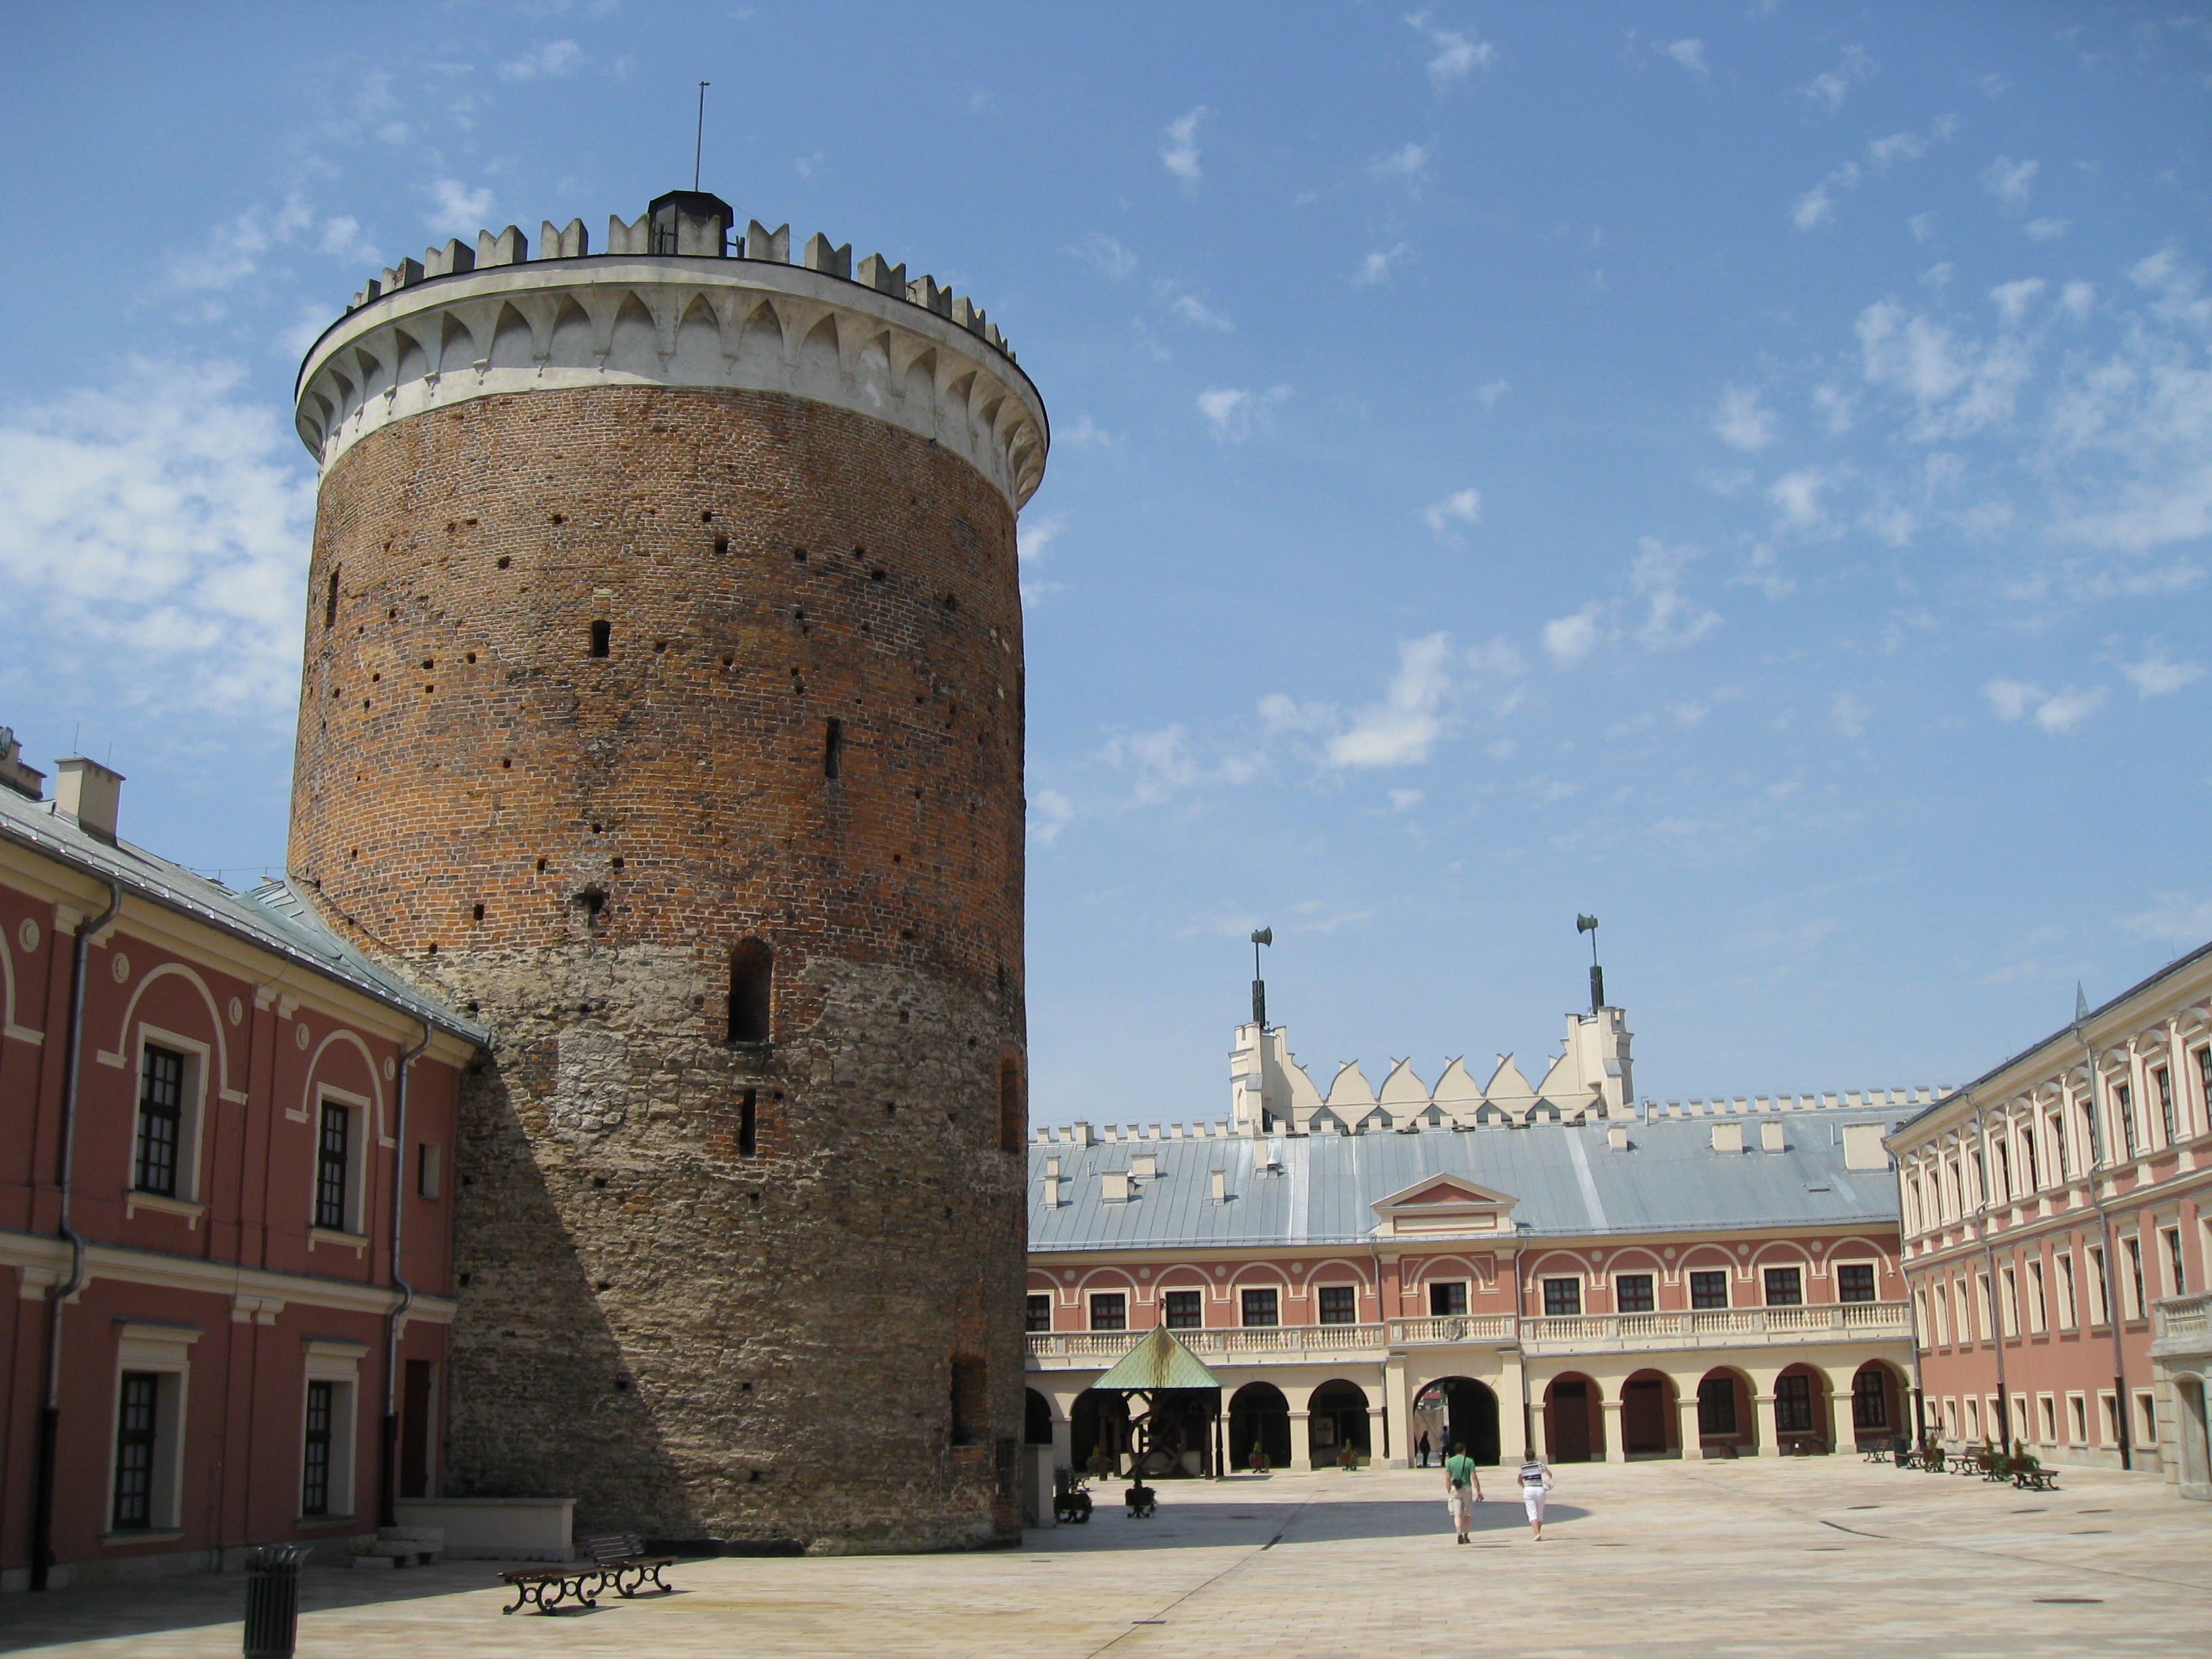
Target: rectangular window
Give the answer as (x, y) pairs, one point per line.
(1973, 1419)
(1716, 1406)
(1709, 1289)
(2048, 1408)
(1184, 1311)
(1259, 1308)
(2039, 1311)
(333, 1168)
(2010, 1280)
(2134, 1285)
(2177, 1278)
(1340, 1305)
(1446, 1299)
(1631, 1293)
(1792, 1404)
(2126, 1108)
(2204, 1083)
(2027, 1159)
(1869, 1400)
(1109, 1311)
(2164, 1079)
(1563, 1297)
(315, 1476)
(1942, 1304)
(1785, 1288)
(1986, 1307)
(428, 1171)
(2069, 1311)
(2146, 1420)
(2004, 1171)
(137, 1417)
(2101, 1291)
(971, 1402)
(2108, 1427)
(832, 748)
(160, 1120)
(2077, 1412)
(1036, 1312)
(2057, 1141)
(1855, 1281)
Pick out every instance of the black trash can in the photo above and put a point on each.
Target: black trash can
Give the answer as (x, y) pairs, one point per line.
(272, 1599)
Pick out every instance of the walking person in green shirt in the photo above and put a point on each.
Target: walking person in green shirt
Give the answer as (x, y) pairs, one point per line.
(1464, 1484)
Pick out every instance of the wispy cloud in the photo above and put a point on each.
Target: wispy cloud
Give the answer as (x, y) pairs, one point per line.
(1690, 54)
(1462, 506)
(1399, 729)
(553, 58)
(1105, 255)
(2010, 181)
(1455, 54)
(1377, 266)
(1199, 315)
(2046, 230)
(1672, 619)
(2056, 712)
(457, 210)
(1408, 163)
(2174, 919)
(2157, 674)
(1180, 153)
(1743, 422)
(1829, 88)
(1568, 640)
(1050, 812)
(1231, 412)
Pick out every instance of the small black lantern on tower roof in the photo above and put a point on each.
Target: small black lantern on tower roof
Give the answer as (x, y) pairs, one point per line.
(690, 221)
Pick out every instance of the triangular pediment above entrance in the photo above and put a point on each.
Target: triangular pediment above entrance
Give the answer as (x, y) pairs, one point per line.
(1446, 1203)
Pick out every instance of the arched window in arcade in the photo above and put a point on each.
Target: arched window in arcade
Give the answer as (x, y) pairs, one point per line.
(752, 980)
(1336, 1423)
(1259, 1427)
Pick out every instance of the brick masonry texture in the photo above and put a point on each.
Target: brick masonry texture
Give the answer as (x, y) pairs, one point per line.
(697, 1343)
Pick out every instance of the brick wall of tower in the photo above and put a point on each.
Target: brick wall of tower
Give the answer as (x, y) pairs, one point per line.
(697, 1343)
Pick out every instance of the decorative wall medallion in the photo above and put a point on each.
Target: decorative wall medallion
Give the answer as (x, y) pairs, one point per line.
(1669, 1253)
(1743, 1249)
(299, 1035)
(119, 965)
(1069, 1275)
(388, 1068)
(26, 934)
(1143, 1272)
(237, 1011)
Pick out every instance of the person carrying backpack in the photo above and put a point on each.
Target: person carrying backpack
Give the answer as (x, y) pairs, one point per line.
(1535, 1485)
(1464, 1484)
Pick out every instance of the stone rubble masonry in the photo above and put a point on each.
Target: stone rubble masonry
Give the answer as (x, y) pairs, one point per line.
(696, 1344)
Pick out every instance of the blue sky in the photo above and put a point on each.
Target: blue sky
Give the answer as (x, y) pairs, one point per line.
(1745, 470)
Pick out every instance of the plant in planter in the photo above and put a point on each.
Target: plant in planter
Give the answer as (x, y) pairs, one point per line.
(1257, 1462)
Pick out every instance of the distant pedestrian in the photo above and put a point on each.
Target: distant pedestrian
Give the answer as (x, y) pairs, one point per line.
(1464, 1484)
(1425, 1449)
(1535, 1485)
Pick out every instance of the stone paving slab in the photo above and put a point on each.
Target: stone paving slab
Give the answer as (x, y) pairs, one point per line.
(1814, 1557)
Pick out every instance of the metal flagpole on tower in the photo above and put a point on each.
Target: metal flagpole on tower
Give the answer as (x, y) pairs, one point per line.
(699, 136)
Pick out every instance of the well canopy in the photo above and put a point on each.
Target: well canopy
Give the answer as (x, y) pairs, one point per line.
(1158, 1362)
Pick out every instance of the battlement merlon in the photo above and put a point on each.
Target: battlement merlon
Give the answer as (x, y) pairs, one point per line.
(670, 303)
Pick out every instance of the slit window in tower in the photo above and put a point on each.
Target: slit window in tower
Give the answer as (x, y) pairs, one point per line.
(833, 749)
(752, 977)
(330, 601)
(1014, 1126)
(971, 1402)
(602, 637)
(749, 1123)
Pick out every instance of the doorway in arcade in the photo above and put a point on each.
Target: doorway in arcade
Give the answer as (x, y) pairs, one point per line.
(1458, 1411)
(1173, 1437)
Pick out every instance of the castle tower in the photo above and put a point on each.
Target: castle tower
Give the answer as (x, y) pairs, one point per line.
(662, 705)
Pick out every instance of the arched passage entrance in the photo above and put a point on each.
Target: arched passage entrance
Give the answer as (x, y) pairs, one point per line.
(1037, 1418)
(1258, 1419)
(1336, 1417)
(1572, 1431)
(1457, 1410)
(1725, 1424)
(1877, 1405)
(1649, 1421)
(1801, 1411)
(1100, 1423)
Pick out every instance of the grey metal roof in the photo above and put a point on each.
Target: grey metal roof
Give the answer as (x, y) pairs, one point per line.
(1565, 1178)
(275, 916)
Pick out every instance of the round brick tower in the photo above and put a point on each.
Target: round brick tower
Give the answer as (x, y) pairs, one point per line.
(662, 706)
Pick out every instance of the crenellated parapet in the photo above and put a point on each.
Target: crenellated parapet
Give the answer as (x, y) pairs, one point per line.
(676, 300)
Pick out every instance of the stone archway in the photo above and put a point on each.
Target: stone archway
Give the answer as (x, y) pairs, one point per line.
(1877, 1405)
(1037, 1418)
(1650, 1426)
(1458, 1410)
(1336, 1418)
(1099, 1423)
(1727, 1424)
(1573, 1429)
(1258, 1419)
(1801, 1425)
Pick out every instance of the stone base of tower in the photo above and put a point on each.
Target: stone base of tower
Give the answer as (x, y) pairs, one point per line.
(742, 1351)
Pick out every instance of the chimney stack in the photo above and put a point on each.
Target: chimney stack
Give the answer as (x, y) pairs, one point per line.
(89, 793)
(14, 775)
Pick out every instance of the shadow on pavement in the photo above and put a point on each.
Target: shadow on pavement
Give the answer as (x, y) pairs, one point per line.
(1180, 1525)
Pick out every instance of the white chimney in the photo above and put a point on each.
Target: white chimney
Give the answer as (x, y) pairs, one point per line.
(1862, 1147)
(1728, 1137)
(1114, 1186)
(1145, 1165)
(1616, 1136)
(1079, 1132)
(89, 793)
(1770, 1138)
(1052, 1191)
(1220, 1186)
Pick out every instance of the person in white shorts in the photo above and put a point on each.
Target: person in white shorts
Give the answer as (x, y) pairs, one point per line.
(1536, 1483)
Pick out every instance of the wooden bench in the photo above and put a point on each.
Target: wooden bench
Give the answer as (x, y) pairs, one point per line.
(532, 1585)
(623, 1565)
(2033, 1477)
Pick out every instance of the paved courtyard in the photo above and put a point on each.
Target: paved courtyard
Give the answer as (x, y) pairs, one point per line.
(1817, 1557)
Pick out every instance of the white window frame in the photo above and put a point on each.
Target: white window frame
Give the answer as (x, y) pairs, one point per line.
(1544, 1283)
(1650, 1274)
(2135, 1290)
(191, 1119)
(2069, 1306)
(2142, 1421)
(2046, 1419)
(1690, 1288)
(2107, 1415)
(2038, 1297)
(336, 1361)
(164, 1350)
(2077, 1418)
(1466, 1297)
(430, 1171)
(357, 1156)
(2170, 1263)
(1836, 1278)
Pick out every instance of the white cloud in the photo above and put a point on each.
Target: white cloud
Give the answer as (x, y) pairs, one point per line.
(1690, 54)
(1457, 54)
(1886, 152)
(1399, 730)
(1568, 640)
(555, 58)
(1376, 267)
(1050, 812)
(2174, 919)
(2012, 299)
(1796, 498)
(1850, 714)
(2010, 181)
(1836, 408)
(1405, 800)
(161, 519)
(1085, 431)
(457, 210)
(1460, 507)
(342, 239)
(1959, 386)
(2056, 712)
(1180, 153)
(1743, 422)
(2158, 675)
(1167, 759)
(1408, 161)
(1815, 208)
(1106, 255)
(234, 249)
(1197, 314)
(1035, 537)
(1922, 225)
(1279, 714)
(1831, 87)
(2077, 298)
(1232, 411)
(1490, 391)
(2047, 230)
(1672, 619)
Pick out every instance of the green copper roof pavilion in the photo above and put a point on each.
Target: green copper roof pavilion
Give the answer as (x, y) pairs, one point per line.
(1158, 1362)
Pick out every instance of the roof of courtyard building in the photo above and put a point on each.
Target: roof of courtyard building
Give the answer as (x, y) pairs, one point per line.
(1564, 1180)
(275, 916)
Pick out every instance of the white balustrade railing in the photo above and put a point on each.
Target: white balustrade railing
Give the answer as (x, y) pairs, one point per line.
(2183, 1323)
